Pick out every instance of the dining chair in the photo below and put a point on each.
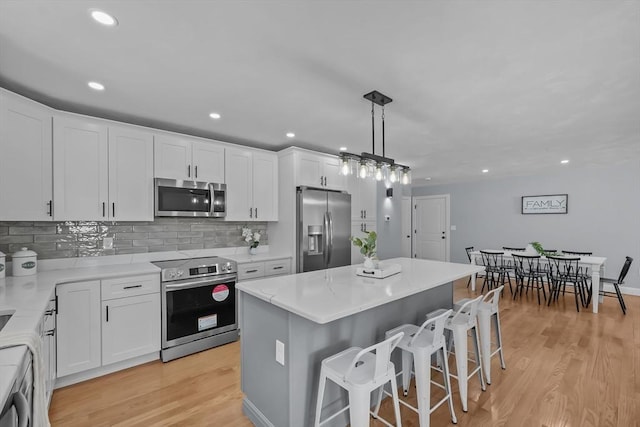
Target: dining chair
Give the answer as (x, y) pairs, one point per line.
(528, 267)
(616, 284)
(468, 250)
(563, 270)
(496, 271)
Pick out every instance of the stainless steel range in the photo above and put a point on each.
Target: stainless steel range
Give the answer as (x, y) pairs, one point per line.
(199, 307)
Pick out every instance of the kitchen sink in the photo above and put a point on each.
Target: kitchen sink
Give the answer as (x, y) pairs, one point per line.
(4, 318)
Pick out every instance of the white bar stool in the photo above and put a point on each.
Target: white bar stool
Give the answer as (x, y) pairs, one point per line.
(488, 310)
(359, 371)
(417, 345)
(463, 321)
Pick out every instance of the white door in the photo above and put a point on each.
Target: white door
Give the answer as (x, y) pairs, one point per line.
(239, 182)
(431, 224)
(78, 327)
(130, 327)
(80, 170)
(25, 160)
(130, 175)
(406, 227)
(208, 162)
(172, 157)
(265, 186)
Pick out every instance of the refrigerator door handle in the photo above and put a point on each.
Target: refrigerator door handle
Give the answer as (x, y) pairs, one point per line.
(325, 243)
(329, 238)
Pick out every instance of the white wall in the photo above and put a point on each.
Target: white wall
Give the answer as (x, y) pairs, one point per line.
(603, 214)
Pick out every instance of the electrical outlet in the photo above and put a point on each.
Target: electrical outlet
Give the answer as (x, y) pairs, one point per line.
(280, 352)
(107, 243)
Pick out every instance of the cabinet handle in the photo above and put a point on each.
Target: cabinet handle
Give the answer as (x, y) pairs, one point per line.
(256, 209)
(365, 214)
(365, 227)
(49, 312)
(189, 171)
(50, 333)
(361, 214)
(252, 271)
(113, 208)
(57, 306)
(196, 168)
(320, 181)
(325, 181)
(132, 287)
(278, 268)
(107, 313)
(50, 203)
(250, 212)
(361, 227)
(104, 205)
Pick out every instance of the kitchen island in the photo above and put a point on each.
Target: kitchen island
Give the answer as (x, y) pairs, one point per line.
(303, 318)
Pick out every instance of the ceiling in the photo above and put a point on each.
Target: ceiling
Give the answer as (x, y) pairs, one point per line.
(509, 86)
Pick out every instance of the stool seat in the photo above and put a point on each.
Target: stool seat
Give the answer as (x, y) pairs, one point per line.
(362, 374)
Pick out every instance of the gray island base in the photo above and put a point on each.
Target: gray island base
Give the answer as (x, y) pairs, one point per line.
(318, 314)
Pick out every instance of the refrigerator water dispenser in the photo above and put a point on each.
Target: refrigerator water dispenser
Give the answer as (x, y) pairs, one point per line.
(315, 239)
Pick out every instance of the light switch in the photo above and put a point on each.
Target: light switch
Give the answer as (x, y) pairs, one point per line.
(107, 243)
(280, 352)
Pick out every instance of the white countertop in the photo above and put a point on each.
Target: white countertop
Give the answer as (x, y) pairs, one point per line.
(327, 295)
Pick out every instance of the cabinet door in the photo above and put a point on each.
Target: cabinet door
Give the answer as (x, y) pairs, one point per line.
(239, 182)
(368, 198)
(310, 170)
(80, 173)
(353, 188)
(130, 175)
(25, 160)
(130, 327)
(78, 327)
(172, 157)
(265, 186)
(331, 171)
(208, 162)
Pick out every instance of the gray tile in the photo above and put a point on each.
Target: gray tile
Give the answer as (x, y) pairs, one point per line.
(122, 243)
(188, 246)
(203, 227)
(4, 230)
(50, 229)
(130, 236)
(76, 228)
(119, 228)
(163, 248)
(190, 234)
(164, 220)
(57, 254)
(16, 239)
(213, 244)
(131, 250)
(148, 242)
(16, 223)
(95, 252)
(163, 235)
(196, 240)
(55, 238)
(147, 228)
(177, 241)
(177, 227)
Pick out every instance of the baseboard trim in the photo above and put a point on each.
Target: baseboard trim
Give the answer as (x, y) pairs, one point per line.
(625, 290)
(254, 414)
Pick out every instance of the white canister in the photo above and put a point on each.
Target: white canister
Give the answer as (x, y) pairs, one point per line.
(3, 265)
(25, 262)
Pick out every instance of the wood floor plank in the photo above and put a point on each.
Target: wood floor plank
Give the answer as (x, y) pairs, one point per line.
(564, 369)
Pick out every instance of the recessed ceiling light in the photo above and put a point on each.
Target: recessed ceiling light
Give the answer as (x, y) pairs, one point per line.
(215, 116)
(564, 162)
(96, 86)
(343, 148)
(485, 170)
(291, 135)
(104, 18)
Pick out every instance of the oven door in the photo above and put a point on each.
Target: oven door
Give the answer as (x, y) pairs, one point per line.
(194, 309)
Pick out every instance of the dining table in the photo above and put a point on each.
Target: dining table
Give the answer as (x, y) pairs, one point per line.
(595, 264)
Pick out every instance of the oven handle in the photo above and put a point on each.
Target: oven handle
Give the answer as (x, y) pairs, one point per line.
(196, 283)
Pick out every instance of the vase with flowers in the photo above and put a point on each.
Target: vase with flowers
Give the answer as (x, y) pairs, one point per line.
(252, 238)
(367, 248)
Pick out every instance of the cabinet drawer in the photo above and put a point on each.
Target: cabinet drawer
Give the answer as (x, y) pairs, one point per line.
(277, 267)
(130, 286)
(250, 271)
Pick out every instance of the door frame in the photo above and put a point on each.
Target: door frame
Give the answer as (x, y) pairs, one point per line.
(447, 216)
(408, 199)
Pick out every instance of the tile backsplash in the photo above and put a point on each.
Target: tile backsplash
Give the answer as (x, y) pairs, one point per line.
(85, 238)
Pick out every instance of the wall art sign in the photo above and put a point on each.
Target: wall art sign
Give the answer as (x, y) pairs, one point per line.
(547, 204)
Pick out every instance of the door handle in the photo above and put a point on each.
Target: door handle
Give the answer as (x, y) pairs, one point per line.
(113, 208)
(107, 313)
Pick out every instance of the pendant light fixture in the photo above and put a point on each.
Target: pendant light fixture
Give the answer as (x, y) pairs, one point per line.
(370, 164)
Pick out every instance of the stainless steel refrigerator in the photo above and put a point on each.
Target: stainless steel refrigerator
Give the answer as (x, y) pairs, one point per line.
(323, 229)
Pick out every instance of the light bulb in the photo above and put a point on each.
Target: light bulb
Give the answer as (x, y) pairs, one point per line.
(345, 166)
(393, 175)
(405, 177)
(363, 170)
(378, 173)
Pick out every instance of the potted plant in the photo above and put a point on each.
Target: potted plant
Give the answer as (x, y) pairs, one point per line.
(252, 238)
(367, 248)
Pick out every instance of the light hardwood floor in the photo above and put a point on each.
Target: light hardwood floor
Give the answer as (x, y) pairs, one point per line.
(563, 369)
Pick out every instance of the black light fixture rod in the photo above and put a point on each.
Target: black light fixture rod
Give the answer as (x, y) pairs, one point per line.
(373, 130)
(382, 130)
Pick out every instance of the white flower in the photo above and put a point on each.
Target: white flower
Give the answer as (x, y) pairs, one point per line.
(256, 236)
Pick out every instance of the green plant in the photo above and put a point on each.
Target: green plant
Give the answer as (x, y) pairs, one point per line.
(368, 245)
(538, 247)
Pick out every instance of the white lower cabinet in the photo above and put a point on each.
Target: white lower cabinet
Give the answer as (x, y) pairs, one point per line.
(260, 269)
(103, 322)
(78, 327)
(48, 337)
(130, 327)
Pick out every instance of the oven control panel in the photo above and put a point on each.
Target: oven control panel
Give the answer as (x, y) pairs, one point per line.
(200, 267)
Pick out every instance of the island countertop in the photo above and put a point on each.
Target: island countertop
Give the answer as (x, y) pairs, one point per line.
(326, 295)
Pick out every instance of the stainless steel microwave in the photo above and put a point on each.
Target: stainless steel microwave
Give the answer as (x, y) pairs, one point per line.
(190, 198)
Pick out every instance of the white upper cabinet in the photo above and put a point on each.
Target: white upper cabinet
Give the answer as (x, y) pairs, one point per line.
(80, 172)
(319, 170)
(185, 158)
(25, 160)
(100, 172)
(130, 174)
(363, 198)
(252, 185)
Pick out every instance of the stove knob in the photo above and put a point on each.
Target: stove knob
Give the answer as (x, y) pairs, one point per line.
(223, 268)
(180, 273)
(171, 274)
